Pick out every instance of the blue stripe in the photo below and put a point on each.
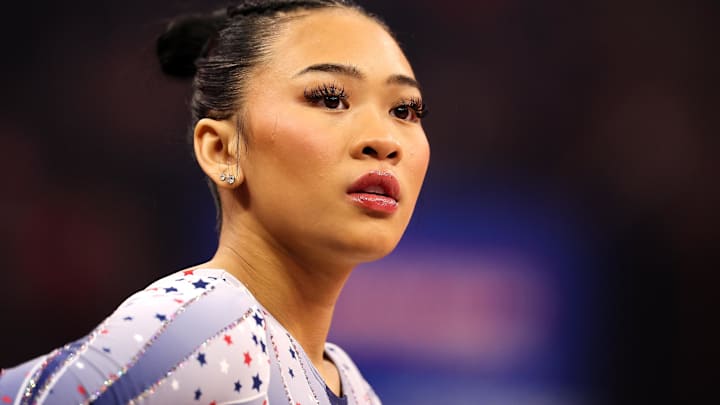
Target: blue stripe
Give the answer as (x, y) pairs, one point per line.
(12, 379)
(276, 391)
(191, 328)
(56, 362)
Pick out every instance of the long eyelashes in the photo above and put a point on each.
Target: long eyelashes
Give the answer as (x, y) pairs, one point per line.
(416, 104)
(412, 109)
(333, 97)
(325, 91)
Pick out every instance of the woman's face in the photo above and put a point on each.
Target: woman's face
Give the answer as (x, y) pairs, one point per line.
(330, 123)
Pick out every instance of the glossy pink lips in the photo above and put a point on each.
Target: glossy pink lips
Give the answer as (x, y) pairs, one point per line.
(376, 191)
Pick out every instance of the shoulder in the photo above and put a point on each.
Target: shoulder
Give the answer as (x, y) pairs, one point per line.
(222, 356)
(184, 320)
(354, 383)
(181, 304)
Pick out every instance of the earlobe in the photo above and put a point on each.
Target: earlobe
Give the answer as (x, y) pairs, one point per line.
(215, 143)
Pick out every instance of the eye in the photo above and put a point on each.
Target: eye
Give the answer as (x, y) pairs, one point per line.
(403, 112)
(410, 110)
(333, 102)
(329, 96)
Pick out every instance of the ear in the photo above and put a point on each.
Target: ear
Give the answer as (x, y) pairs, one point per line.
(216, 150)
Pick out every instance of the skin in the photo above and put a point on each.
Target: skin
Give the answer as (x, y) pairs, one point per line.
(290, 232)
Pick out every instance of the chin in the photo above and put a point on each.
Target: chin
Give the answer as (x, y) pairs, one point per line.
(369, 248)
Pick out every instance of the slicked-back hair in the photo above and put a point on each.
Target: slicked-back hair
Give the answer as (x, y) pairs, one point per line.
(219, 50)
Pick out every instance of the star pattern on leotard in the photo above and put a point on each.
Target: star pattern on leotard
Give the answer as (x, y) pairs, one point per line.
(257, 382)
(231, 365)
(258, 319)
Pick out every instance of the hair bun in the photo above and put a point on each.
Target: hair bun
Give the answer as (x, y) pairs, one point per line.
(185, 40)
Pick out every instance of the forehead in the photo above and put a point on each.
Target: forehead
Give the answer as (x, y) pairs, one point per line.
(337, 35)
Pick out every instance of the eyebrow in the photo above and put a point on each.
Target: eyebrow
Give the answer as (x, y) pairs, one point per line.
(403, 80)
(352, 71)
(347, 70)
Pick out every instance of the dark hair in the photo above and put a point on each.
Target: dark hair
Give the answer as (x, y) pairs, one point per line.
(220, 49)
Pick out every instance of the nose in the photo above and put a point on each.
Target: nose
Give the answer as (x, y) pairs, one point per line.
(380, 147)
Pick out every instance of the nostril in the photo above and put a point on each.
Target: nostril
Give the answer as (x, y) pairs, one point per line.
(369, 151)
(381, 152)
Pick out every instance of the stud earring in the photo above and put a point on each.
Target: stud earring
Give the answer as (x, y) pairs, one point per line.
(228, 178)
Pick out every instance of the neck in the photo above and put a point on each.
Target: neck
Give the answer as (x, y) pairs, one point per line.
(299, 294)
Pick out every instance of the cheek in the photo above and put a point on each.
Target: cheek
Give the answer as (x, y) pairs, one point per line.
(418, 158)
(294, 142)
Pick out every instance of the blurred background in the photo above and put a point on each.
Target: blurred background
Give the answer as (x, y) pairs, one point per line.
(564, 249)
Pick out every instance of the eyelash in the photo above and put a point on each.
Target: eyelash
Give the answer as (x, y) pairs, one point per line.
(336, 94)
(416, 104)
(322, 91)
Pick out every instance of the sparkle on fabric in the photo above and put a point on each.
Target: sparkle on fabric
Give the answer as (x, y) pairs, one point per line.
(225, 367)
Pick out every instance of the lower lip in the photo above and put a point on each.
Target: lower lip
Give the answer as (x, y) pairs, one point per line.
(374, 202)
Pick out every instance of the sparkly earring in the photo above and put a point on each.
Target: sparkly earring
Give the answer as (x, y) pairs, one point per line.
(228, 178)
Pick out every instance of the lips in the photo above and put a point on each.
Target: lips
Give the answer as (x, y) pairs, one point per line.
(376, 191)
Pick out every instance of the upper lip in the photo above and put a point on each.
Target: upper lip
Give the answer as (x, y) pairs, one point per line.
(385, 180)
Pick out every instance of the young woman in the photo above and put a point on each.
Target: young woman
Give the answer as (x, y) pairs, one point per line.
(306, 118)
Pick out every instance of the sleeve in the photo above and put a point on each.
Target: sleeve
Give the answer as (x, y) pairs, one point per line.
(150, 349)
(13, 381)
(231, 368)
